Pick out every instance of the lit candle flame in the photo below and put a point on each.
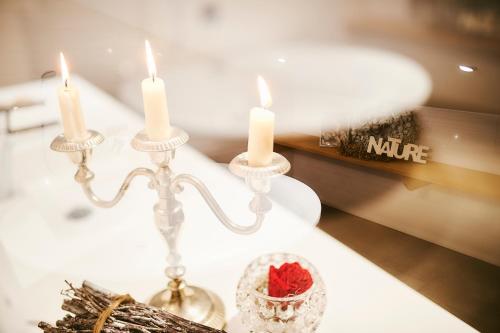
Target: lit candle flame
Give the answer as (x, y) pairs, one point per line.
(265, 96)
(150, 60)
(64, 69)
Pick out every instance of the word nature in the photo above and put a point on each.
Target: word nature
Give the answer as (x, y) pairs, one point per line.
(391, 149)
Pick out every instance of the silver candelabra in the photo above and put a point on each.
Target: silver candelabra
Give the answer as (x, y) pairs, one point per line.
(187, 301)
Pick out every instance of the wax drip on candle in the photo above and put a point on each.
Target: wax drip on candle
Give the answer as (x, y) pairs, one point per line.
(64, 70)
(150, 61)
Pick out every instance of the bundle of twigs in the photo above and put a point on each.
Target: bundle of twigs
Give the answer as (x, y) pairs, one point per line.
(122, 314)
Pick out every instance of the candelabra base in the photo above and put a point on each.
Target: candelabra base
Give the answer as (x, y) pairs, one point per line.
(192, 303)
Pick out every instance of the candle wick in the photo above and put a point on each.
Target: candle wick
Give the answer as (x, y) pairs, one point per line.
(153, 77)
(66, 83)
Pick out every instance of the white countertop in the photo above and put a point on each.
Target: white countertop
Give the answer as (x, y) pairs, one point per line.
(120, 249)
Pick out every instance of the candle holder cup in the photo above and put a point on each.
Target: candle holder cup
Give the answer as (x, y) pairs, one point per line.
(261, 313)
(190, 302)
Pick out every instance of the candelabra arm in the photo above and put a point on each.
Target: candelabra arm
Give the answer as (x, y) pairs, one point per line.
(260, 205)
(84, 176)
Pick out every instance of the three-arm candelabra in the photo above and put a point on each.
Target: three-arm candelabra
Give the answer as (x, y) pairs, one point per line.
(187, 301)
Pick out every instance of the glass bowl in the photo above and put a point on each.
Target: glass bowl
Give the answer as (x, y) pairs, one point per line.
(261, 313)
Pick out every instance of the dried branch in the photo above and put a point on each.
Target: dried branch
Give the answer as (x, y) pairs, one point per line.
(87, 302)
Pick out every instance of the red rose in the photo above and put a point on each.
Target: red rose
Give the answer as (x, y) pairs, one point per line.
(288, 280)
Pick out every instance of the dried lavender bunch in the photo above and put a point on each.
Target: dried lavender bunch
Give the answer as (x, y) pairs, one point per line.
(353, 142)
(89, 301)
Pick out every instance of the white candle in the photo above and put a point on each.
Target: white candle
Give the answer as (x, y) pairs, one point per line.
(155, 102)
(261, 129)
(69, 105)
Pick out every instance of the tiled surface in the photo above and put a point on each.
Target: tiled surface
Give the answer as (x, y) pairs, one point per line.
(467, 287)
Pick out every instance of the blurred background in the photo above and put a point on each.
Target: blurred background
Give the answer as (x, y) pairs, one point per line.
(214, 49)
(329, 63)
(104, 39)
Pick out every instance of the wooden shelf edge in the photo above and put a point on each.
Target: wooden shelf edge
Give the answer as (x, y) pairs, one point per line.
(449, 176)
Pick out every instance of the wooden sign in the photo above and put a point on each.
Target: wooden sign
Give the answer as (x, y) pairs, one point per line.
(391, 149)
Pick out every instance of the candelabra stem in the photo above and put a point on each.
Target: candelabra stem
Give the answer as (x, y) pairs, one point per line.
(169, 218)
(183, 300)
